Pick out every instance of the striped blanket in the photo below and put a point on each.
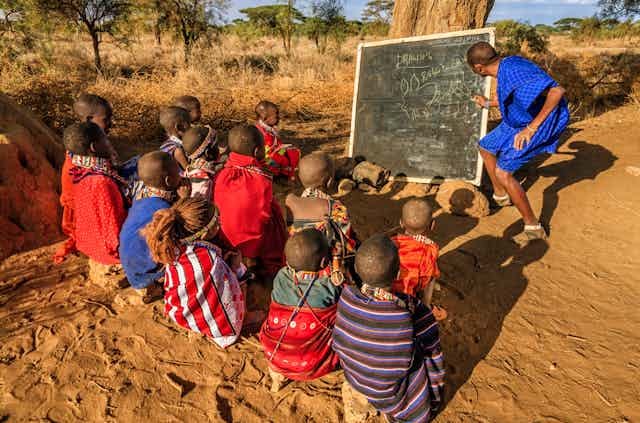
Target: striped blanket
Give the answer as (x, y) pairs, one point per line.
(391, 355)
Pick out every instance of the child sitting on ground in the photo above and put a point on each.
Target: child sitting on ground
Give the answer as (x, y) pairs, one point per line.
(202, 291)
(396, 335)
(281, 159)
(250, 216)
(191, 104)
(418, 255)
(200, 146)
(316, 209)
(161, 179)
(175, 121)
(296, 336)
(87, 108)
(98, 201)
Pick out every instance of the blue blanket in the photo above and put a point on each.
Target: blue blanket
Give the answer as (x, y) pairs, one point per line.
(521, 88)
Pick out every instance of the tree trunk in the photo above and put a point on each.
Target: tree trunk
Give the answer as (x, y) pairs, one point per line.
(95, 38)
(423, 17)
(157, 32)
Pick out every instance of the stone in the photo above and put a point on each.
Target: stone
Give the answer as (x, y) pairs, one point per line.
(633, 170)
(463, 199)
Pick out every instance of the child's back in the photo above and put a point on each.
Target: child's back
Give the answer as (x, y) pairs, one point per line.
(396, 335)
(296, 335)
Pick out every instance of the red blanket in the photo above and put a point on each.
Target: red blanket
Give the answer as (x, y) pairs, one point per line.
(305, 351)
(250, 218)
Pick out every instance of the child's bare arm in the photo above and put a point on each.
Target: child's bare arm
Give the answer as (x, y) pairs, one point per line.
(181, 158)
(427, 293)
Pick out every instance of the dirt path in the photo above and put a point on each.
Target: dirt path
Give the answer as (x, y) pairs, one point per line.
(540, 334)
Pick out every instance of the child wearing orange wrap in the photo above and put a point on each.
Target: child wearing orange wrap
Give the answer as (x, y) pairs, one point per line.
(88, 108)
(281, 159)
(418, 255)
(250, 217)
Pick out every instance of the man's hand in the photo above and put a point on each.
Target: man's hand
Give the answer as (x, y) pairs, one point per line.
(522, 138)
(480, 100)
(184, 190)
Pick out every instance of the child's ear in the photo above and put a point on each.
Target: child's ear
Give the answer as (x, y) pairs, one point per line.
(324, 262)
(433, 225)
(92, 147)
(401, 224)
(330, 182)
(167, 181)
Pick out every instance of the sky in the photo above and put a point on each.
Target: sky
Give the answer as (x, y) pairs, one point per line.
(532, 11)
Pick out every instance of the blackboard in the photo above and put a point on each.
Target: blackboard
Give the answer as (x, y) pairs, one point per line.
(412, 107)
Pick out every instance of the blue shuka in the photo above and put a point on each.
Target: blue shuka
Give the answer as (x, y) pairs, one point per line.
(521, 84)
(136, 260)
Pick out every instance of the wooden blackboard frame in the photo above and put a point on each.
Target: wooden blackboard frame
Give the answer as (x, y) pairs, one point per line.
(487, 93)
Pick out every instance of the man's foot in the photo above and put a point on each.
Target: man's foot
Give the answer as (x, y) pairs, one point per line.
(502, 200)
(530, 233)
(153, 293)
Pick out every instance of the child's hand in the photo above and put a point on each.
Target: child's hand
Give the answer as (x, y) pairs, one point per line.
(184, 190)
(480, 100)
(233, 259)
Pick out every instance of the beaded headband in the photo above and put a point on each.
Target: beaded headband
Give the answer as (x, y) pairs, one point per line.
(202, 232)
(209, 140)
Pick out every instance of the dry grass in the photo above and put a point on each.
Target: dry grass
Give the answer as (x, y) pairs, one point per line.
(231, 76)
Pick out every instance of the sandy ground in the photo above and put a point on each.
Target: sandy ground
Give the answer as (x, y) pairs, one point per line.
(544, 333)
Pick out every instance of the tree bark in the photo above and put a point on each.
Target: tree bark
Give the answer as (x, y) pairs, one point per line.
(95, 38)
(423, 17)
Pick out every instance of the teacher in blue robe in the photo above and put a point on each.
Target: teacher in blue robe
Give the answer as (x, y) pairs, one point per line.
(534, 115)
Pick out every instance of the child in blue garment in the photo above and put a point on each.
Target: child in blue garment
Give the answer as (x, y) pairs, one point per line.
(162, 183)
(534, 115)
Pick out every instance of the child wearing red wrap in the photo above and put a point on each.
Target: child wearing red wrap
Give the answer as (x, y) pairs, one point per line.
(88, 108)
(97, 198)
(418, 255)
(281, 159)
(250, 217)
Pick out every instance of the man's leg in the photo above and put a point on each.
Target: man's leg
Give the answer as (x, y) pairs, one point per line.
(490, 164)
(517, 194)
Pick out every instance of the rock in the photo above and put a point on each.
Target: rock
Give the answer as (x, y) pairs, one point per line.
(633, 170)
(463, 199)
(30, 153)
(346, 186)
(371, 173)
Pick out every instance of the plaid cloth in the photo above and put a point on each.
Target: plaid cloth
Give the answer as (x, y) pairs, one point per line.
(521, 84)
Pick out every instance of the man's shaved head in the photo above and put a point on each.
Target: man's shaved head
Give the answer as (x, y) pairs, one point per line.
(245, 139)
(189, 103)
(417, 215)
(93, 108)
(315, 170)
(305, 250)
(482, 53)
(377, 262)
(174, 119)
(156, 167)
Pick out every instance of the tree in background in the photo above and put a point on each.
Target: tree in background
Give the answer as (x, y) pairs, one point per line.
(619, 8)
(97, 17)
(327, 20)
(567, 24)
(191, 19)
(278, 20)
(377, 16)
(516, 36)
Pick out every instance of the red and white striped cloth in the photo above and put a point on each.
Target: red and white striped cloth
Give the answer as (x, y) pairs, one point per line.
(203, 294)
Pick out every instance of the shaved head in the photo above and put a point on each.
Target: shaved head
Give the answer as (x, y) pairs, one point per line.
(189, 103)
(93, 108)
(315, 170)
(305, 250)
(156, 167)
(417, 215)
(175, 118)
(264, 107)
(245, 139)
(481, 53)
(377, 262)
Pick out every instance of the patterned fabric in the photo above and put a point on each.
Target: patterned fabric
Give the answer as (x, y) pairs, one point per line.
(391, 355)
(286, 291)
(151, 192)
(521, 85)
(99, 215)
(171, 144)
(92, 165)
(296, 336)
(250, 217)
(202, 294)
(201, 173)
(67, 203)
(336, 226)
(136, 260)
(281, 159)
(418, 263)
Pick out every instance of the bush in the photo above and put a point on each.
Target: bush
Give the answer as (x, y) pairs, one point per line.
(516, 38)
